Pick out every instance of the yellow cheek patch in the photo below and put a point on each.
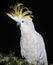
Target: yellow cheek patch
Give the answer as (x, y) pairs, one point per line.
(18, 9)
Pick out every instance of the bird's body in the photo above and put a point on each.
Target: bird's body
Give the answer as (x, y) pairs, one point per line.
(32, 46)
(33, 50)
(31, 42)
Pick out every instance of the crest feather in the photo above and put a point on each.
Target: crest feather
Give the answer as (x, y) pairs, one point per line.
(18, 9)
(27, 12)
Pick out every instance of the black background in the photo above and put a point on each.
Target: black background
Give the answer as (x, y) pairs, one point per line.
(10, 33)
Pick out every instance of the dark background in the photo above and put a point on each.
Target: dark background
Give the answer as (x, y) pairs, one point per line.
(10, 33)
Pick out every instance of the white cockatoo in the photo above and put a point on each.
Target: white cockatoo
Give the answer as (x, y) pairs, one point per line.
(31, 42)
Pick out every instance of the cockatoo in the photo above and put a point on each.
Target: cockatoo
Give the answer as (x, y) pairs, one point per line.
(31, 42)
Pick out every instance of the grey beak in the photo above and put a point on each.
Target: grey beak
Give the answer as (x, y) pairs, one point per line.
(18, 24)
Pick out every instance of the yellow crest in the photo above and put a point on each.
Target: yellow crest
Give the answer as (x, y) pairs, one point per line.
(18, 9)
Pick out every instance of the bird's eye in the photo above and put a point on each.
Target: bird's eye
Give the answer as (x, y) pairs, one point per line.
(22, 21)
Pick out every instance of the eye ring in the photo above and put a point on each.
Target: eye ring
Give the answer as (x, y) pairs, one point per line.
(22, 21)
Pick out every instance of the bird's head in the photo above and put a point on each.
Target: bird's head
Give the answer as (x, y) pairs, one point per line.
(21, 14)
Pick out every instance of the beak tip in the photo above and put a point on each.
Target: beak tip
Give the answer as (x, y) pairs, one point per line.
(18, 24)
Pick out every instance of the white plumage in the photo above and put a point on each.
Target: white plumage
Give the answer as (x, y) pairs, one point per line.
(31, 42)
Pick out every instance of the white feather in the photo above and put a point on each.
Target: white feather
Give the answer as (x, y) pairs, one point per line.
(31, 42)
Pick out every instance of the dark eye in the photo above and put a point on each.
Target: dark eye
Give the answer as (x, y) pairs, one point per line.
(22, 21)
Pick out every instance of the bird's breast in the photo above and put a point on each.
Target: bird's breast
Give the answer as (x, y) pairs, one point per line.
(29, 43)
